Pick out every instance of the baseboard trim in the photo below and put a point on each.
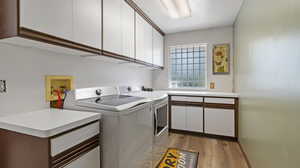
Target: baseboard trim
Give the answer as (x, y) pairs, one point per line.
(204, 135)
(245, 155)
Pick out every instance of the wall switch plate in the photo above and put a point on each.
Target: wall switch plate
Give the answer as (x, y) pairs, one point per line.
(3, 86)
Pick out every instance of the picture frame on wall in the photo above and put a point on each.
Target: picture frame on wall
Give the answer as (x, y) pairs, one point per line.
(221, 59)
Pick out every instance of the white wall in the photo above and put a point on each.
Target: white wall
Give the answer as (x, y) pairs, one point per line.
(267, 38)
(25, 70)
(210, 36)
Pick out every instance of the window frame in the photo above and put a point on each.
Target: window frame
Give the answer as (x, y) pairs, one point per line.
(205, 87)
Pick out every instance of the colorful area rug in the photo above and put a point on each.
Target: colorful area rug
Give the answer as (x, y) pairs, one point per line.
(177, 158)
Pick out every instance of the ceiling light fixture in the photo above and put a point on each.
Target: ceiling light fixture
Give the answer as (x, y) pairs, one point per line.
(177, 8)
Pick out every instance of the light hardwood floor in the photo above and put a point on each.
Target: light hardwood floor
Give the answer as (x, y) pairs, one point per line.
(213, 153)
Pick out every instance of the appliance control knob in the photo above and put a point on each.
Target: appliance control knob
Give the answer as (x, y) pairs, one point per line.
(129, 89)
(98, 92)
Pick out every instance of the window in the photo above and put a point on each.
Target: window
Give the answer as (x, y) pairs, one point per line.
(188, 67)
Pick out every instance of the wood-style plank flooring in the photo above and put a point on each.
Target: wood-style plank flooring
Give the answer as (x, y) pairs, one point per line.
(213, 153)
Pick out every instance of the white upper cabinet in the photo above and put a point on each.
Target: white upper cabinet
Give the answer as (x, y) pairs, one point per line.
(118, 27)
(75, 20)
(112, 26)
(148, 43)
(87, 22)
(127, 16)
(158, 48)
(144, 49)
(54, 17)
(139, 47)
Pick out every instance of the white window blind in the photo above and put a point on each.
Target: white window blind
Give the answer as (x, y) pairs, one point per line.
(188, 66)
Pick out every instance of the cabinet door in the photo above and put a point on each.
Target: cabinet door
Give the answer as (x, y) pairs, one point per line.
(87, 22)
(88, 160)
(148, 43)
(140, 36)
(53, 17)
(178, 117)
(143, 40)
(158, 48)
(73, 138)
(127, 30)
(219, 122)
(112, 31)
(194, 119)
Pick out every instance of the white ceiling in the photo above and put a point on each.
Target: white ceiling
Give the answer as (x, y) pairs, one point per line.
(205, 14)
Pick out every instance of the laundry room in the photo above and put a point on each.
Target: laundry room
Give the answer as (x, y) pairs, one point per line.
(149, 84)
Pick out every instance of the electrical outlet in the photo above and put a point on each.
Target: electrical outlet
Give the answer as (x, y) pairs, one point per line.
(3, 86)
(212, 85)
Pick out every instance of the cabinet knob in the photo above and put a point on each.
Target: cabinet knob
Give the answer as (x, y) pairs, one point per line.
(98, 92)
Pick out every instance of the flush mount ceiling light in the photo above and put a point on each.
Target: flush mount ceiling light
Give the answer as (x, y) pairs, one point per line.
(177, 8)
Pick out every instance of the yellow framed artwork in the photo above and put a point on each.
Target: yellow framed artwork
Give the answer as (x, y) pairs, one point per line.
(221, 59)
(58, 85)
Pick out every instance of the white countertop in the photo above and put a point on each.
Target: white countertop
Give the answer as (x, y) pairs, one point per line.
(200, 93)
(48, 122)
(160, 94)
(151, 96)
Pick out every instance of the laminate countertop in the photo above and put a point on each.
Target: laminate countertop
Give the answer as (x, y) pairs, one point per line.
(151, 96)
(160, 94)
(203, 93)
(48, 122)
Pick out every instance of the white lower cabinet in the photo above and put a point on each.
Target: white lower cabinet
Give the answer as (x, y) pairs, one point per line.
(219, 122)
(178, 118)
(194, 118)
(69, 140)
(71, 147)
(187, 118)
(88, 160)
